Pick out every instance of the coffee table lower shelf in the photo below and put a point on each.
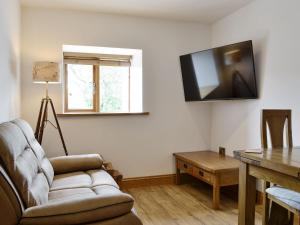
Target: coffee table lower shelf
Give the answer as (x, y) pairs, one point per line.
(217, 175)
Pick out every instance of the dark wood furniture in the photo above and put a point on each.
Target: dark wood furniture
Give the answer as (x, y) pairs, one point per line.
(276, 121)
(209, 167)
(277, 165)
(118, 177)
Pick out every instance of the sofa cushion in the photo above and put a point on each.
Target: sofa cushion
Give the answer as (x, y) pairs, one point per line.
(79, 206)
(22, 166)
(37, 149)
(85, 179)
(101, 177)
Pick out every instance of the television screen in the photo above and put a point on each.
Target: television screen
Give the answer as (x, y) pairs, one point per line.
(220, 73)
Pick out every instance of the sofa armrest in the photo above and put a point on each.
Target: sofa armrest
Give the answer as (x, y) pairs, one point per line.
(73, 163)
(79, 210)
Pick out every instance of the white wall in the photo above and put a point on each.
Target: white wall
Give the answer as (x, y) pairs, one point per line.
(9, 59)
(273, 27)
(137, 145)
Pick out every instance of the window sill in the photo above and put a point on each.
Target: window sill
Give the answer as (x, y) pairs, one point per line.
(83, 114)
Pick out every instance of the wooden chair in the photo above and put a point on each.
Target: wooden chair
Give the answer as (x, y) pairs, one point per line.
(279, 197)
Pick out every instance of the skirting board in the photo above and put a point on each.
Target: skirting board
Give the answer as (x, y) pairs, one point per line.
(156, 180)
(148, 181)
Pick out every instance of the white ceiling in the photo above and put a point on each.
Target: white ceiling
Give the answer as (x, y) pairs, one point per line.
(205, 11)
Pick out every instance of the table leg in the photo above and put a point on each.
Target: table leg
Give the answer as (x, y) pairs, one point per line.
(177, 176)
(247, 195)
(216, 193)
(266, 204)
(177, 181)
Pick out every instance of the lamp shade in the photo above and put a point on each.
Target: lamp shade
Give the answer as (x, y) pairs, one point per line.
(46, 72)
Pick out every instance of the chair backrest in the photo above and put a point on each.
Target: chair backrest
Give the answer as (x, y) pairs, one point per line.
(276, 119)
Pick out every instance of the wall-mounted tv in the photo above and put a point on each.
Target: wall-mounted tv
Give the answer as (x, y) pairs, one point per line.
(221, 73)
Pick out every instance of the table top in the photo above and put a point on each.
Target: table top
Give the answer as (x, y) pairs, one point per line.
(284, 160)
(209, 160)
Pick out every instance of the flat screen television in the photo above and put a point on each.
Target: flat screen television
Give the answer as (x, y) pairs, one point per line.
(222, 73)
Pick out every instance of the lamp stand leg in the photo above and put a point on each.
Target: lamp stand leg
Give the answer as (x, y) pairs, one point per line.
(38, 125)
(43, 124)
(42, 121)
(58, 127)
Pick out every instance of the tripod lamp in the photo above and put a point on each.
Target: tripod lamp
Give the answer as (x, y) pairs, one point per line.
(47, 72)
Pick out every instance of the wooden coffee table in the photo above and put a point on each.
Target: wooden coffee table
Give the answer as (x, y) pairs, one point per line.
(209, 167)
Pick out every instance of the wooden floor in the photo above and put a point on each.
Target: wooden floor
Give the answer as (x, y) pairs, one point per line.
(187, 204)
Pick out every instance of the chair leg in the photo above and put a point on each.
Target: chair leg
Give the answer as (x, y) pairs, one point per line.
(266, 204)
(278, 215)
(291, 218)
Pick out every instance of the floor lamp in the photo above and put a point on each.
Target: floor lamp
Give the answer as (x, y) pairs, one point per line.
(47, 72)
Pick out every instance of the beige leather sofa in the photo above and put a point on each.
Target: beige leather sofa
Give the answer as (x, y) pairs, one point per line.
(61, 191)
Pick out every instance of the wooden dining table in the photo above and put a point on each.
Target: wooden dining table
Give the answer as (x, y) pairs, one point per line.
(279, 166)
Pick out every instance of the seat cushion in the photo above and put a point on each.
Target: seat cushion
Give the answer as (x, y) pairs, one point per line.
(87, 179)
(79, 206)
(292, 198)
(36, 148)
(22, 166)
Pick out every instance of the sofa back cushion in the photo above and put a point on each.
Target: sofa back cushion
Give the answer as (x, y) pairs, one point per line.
(22, 166)
(37, 149)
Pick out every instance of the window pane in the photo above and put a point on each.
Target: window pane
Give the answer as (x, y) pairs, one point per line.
(114, 88)
(80, 87)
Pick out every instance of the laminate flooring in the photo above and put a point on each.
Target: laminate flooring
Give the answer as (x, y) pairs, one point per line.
(186, 204)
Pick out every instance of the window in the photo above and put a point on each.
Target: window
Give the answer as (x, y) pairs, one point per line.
(80, 82)
(104, 83)
(114, 89)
